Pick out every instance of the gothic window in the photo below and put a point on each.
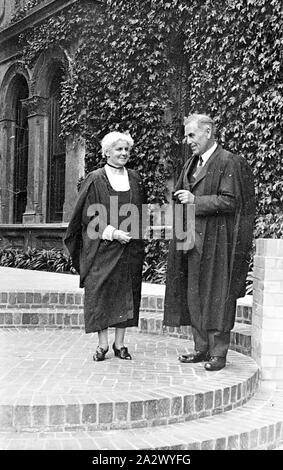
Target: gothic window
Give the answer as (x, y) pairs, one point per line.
(56, 157)
(21, 152)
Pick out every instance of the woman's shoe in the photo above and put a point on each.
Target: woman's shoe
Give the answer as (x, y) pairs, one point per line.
(99, 354)
(122, 353)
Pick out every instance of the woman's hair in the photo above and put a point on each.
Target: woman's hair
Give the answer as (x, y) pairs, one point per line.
(113, 137)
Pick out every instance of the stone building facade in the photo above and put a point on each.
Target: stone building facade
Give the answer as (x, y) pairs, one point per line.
(39, 170)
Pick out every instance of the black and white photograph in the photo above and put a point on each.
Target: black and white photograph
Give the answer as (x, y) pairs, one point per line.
(141, 231)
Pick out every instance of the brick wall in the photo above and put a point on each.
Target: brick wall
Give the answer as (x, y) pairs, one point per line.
(267, 315)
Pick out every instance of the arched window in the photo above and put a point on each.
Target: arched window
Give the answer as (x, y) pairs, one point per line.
(56, 156)
(21, 151)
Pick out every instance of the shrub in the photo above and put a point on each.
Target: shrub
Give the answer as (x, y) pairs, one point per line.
(155, 264)
(40, 260)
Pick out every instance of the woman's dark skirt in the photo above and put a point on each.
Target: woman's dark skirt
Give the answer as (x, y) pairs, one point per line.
(113, 286)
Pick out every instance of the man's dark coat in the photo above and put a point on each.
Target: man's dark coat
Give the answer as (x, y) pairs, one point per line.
(202, 286)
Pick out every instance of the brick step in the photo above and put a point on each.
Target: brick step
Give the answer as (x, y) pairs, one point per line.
(19, 299)
(16, 302)
(42, 317)
(71, 316)
(151, 322)
(256, 425)
(49, 381)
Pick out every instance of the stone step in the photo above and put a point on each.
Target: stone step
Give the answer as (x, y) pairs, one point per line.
(256, 425)
(50, 382)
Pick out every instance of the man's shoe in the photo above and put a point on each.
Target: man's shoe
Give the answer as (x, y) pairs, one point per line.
(215, 363)
(198, 356)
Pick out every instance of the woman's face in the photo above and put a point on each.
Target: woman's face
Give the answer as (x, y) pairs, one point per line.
(118, 154)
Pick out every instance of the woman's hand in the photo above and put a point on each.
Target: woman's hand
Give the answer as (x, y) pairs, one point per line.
(121, 236)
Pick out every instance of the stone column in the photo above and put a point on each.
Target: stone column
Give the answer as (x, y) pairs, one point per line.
(267, 314)
(7, 152)
(37, 108)
(75, 163)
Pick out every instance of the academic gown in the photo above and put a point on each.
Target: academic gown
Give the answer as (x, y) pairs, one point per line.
(203, 284)
(110, 272)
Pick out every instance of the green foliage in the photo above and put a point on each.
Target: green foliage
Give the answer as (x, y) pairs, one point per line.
(154, 267)
(39, 260)
(22, 10)
(269, 225)
(119, 80)
(128, 71)
(155, 264)
(233, 53)
(55, 260)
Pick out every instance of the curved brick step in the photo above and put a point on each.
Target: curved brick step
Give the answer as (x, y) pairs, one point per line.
(61, 297)
(36, 299)
(256, 425)
(55, 308)
(241, 338)
(151, 322)
(51, 316)
(51, 382)
(33, 298)
(71, 316)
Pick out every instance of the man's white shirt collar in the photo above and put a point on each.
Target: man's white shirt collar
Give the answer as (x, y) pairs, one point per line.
(206, 155)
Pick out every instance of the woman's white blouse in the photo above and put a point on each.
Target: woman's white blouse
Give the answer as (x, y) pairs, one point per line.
(119, 182)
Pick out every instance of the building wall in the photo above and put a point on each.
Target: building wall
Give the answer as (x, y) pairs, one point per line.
(36, 105)
(7, 8)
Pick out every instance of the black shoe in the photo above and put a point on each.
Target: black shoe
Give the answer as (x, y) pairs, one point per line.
(99, 354)
(198, 356)
(122, 353)
(215, 363)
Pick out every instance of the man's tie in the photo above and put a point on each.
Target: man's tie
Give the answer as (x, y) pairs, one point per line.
(199, 166)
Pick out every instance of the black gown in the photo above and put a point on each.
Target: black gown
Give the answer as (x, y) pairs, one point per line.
(203, 286)
(111, 272)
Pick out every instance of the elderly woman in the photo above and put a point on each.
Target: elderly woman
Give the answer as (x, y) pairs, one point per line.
(106, 245)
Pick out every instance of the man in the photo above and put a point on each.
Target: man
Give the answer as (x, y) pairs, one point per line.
(204, 282)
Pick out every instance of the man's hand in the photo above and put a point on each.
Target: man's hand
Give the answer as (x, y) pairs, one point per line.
(184, 196)
(121, 236)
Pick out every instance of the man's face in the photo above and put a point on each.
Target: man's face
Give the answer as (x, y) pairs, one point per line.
(198, 138)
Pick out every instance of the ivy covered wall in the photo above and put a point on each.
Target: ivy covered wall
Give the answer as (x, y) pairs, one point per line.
(141, 65)
(22, 7)
(233, 53)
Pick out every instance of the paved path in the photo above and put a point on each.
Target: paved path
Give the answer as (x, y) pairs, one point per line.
(48, 378)
(49, 364)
